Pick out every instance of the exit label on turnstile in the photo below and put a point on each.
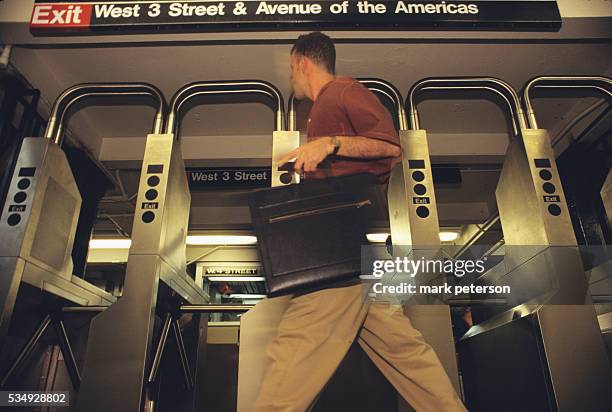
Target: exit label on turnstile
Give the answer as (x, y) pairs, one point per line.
(17, 208)
(150, 205)
(551, 199)
(420, 200)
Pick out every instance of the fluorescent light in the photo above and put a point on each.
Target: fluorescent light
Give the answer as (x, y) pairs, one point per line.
(110, 243)
(377, 237)
(196, 240)
(245, 296)
(448, 236)
(382, 237)
(235, 278)
(202, 240)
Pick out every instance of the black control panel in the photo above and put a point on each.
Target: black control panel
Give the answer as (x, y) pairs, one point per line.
(419, 189)
(19, 203)
(545, 175)
(151, 195)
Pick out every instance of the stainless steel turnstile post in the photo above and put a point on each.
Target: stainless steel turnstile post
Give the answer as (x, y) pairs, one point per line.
(545, 353)
(415, 231)
(414, 216)
(38, 227)
(120, 338)
(255, 325)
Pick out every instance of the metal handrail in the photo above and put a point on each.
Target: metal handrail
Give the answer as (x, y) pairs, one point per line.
(215, 308)
(191, 90)
(85, 90)
(379, 86)
(208, 308)
(603, 84)
(490, 84)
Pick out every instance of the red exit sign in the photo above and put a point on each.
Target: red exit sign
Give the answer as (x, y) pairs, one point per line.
(61, 15)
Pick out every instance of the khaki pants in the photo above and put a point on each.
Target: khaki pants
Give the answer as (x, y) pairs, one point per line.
(317, 330)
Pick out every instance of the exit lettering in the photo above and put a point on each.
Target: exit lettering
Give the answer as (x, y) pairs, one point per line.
(64, 15)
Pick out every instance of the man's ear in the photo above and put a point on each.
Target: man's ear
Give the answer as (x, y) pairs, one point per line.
(305, 64)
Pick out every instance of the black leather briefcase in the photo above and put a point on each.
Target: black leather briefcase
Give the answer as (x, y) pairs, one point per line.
(310, 235)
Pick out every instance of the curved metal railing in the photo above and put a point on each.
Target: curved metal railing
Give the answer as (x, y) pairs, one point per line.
(78, 92)
(600, 83)
(490, 84)
(219, 88)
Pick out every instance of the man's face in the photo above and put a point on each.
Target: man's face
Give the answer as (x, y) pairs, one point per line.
(299, 82)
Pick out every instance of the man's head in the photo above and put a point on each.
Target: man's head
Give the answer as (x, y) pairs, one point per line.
(312, 54)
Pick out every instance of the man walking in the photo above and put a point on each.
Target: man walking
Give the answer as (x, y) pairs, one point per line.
(348, 124)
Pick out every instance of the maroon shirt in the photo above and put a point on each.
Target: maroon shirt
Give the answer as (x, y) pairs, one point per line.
(345, 107)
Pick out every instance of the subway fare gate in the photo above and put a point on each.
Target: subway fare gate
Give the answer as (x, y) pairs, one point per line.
(123, 365)
(547, 342)
(39, 223)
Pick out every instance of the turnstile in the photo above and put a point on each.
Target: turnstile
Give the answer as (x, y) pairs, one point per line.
(546, 351)
(257, 325)
(121, 366)
(38, 227)
(415, 232)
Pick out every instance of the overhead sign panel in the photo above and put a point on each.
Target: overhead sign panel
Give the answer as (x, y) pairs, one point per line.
(229, 177)
(60, 17)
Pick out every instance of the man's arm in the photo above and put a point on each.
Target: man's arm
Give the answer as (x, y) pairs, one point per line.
(365, 147)
(309, 156)
(375, 135)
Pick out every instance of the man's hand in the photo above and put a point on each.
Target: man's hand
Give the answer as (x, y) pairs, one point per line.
(309, 156)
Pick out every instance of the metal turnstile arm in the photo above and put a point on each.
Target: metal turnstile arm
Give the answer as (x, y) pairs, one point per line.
(599, 83)
(85, 90)
(489, 84)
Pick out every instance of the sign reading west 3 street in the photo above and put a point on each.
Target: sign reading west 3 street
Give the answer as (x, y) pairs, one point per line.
(229, 177)
(54, 16)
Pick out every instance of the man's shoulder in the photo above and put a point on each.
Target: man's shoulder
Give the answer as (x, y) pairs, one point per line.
(343, 82)
(347, 81)
(340, 87)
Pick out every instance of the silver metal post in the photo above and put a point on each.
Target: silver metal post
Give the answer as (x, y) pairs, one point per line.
(182, 353)
(161, 344)
(67, 353)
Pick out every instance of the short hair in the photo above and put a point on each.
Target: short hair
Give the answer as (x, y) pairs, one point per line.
(319, 48)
